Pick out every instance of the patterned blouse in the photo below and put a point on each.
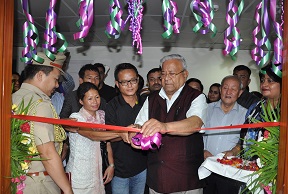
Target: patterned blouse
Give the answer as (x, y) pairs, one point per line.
(85, 161)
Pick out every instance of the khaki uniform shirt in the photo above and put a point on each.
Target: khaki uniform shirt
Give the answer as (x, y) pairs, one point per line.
(43, 132)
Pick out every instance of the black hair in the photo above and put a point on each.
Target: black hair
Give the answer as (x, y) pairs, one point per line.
(83, 88)
(140, 84)
(241, 68)
(216, 85)
(256, 93)
(66, 62)
(197, 81)
(123, 66)
(15, 73)
(67, 54)
(86, 67)
(153, 71)
(268, 69)
(100, 65)
(31, 70)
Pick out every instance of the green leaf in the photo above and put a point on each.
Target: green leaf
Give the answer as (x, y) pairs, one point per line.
(266, 150)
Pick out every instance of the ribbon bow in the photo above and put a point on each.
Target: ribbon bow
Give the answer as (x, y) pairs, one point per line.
(146, 143)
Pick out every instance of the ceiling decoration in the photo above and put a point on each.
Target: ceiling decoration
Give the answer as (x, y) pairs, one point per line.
(98, 21)
(152, 24)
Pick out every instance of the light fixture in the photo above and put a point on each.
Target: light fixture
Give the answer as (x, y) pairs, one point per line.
(215, 7)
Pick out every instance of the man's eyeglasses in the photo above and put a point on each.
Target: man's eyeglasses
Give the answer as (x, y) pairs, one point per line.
(125, 82)
(171, 75)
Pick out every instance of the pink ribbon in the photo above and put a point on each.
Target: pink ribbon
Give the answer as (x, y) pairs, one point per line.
(146, 143)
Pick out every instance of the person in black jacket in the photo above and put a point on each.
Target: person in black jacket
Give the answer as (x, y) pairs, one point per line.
(246, 99)
(87, 73)
(105, 91)
(130, 164)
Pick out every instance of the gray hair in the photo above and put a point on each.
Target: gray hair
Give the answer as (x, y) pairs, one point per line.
(232, 77)
(174, 56)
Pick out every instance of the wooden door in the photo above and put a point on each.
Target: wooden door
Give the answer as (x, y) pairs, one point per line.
(282, 178)
(6, 49)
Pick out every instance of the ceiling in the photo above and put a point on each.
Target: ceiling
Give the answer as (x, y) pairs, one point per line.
(67, 12)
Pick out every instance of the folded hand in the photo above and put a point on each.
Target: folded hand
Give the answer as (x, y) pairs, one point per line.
(153, 126)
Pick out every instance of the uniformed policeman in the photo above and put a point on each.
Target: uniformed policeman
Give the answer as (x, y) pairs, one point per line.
(41, 79)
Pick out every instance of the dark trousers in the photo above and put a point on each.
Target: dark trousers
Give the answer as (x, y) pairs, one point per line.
(108, 188)
(217, 184)
(105, 164)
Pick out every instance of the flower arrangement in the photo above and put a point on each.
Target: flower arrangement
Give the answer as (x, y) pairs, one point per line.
(266, 149)
(22, 151)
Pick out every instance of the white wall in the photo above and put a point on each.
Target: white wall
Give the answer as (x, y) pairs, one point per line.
(207, 65)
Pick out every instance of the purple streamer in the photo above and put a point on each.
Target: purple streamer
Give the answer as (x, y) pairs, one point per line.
(30, 44)
(171, 22)
(111, 28)
(86, 19)
(282, 13)
(258, 54)
(278, 43)
(49, 35)
(175, 20)
(135, 10)
(146, 143)
(204, 14)
(168, 16)
(233, 43)
(255, 32)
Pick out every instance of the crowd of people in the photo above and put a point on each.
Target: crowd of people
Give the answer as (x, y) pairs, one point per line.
(102, 161)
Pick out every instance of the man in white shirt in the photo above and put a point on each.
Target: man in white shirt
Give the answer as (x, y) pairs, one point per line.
(177, 111)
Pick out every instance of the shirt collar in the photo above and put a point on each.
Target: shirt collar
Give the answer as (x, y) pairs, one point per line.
(122, 100)
(89, 118)
(36, 90)
(163, 95)
(235, 107)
